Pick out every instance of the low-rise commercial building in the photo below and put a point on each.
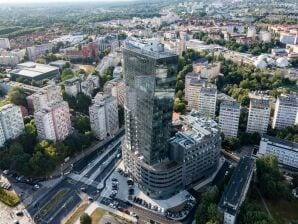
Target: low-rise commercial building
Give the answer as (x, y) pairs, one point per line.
(236, 190)
(34, 71)
(285, 151)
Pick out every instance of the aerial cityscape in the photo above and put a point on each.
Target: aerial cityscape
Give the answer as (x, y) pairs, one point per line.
(149, 112)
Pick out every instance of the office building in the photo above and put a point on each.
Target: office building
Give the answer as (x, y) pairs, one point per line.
(236, 191)
(207, 101)
(286, 111)
(4, 43)
(285, 151)
(158, 163)
(116, 88)
(229, 115)
(53, 121)
(104, 116)
(196, 147)
(259, 114)
(11, 123)
(34, 71)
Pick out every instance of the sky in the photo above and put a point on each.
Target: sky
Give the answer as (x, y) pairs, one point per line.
(48, 1)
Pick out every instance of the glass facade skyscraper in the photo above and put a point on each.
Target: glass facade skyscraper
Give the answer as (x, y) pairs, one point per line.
(150, 77)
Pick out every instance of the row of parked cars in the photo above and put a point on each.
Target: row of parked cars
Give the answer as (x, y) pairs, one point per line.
(145, 204)
(179, 215)
(115, 187)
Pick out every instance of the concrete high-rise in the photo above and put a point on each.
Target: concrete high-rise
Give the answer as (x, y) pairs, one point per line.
(259, 114)
(229, 115)
(104, 116)
(207, 101)
(286, 111)
(11, 123)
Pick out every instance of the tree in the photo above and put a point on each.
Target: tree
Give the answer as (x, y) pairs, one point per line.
(82, 124)
(17, 96)
(207, 211)
(251, 213)
(82, 103)
(272, 182)
(231, 143)
(67, 73)
(85, 219)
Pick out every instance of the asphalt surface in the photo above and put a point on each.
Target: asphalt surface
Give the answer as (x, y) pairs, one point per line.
(80, 165)
(221, 173)
(64, 204)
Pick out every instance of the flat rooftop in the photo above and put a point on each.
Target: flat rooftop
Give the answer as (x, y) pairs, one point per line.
(232, 197)
(32, 69)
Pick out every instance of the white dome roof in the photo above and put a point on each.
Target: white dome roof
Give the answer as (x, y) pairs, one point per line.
(270, 61)
(282, 62)
(262, 57)
(260, 64)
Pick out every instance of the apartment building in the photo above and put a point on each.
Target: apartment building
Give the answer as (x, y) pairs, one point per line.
(116, 88)
(53, 121)
(229, 115)
(35, 51)
(104, 116)
(285, 151)
(4, 43)
(207, 101)
(286, 111)
(11, 123)
(193, 84)
(259, 114)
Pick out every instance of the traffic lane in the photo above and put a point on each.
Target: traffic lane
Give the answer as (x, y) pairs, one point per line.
(221, 173)
(99, 163)
(106, 170)
(80, 165)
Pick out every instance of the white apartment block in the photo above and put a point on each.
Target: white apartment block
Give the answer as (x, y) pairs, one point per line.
(12, 124)
(193, 85)
(207, 71)
(259, 114)
(89, 85)
(104, 116)
(116, 88)
(53, 121)
(47, 95)
(35, 51)
(207, 101)
(286, 111)
(73, 86)
(285, 151)
(229, 115)
(4, 43)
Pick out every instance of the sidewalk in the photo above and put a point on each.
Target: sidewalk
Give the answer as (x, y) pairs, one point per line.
(67, 165)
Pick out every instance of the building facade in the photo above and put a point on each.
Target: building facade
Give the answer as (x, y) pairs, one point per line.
(193, 85)
(286, 111)
(116, 88)
(207, 101)
(150, 80)
(285, 151)
(53, 121)
(229, 115)
(35, 51)
(259, 114)
(104, 116)
(236, 191)
(11, 123)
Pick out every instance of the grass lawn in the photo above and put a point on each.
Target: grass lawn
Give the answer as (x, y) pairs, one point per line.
(88, 68)
(97, 215)
(9, 198)
(77, 213)
(283, 211)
